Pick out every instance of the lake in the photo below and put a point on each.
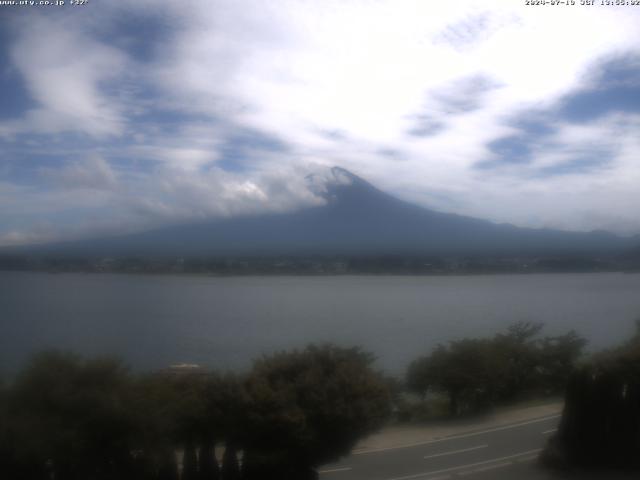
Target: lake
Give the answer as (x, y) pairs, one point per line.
(225, 322)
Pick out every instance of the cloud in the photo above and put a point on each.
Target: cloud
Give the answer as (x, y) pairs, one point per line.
(425, 125)
(472, 29)
(220, 108)
(93, 173)
(239, 150)
(463, 95)
(614, 87)
(580, 134)
(89, 198)
(580, 163)
(509, 150)
(216, 193)
(457, 97)
(65, 79)
(182, 158)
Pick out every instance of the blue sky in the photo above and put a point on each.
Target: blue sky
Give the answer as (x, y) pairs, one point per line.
(118, 118)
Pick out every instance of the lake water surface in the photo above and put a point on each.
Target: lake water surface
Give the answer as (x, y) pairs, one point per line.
(154, 321)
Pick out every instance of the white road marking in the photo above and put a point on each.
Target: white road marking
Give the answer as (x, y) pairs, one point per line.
(334, 470)
(463, 467)
(453, 452)
(547, 432)
(455, 437)
(485, 469)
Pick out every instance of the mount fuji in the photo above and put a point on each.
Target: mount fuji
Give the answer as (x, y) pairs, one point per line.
(355, 219)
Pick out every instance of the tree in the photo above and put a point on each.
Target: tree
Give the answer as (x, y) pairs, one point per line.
(600, 423)
(465, 372)
(6, 454)
(225, 409)
(477, 373)
(558, 357)
(310, 407)
(419, 376)
(208, 467)
(70, 416)
(176, 412)
(462, 370)
(517, 359)
(230, 466)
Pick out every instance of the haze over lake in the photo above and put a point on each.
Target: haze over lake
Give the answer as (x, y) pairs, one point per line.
(225, 322)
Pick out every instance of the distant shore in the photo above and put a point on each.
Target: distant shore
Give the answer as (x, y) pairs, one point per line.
(324, 265)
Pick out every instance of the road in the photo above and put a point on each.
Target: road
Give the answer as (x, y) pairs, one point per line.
(503, 452)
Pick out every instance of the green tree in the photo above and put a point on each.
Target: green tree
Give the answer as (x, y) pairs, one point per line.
(310, 407)
(225, 410)
(477, 373)
(70, 416)
(465, 371)
(419, 376)
(558, 357)
(517, 359)
(6, 457)
(600, 423)
(174, 414)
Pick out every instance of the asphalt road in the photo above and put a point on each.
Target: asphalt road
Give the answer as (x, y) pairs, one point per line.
(504, 452)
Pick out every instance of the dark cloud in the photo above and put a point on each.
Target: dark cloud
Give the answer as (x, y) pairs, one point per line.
(530, 124)
(587, 162)
(241, 149)
(465, 32)
(461, 96)
(143, 34)
(464, 95)
(92, 173)
(612, 86)
(425, 126)
(391, 153)
(511, 150)
(336, 135)
(592, 104)
(618, 71)
(14, 97)
(21, 166)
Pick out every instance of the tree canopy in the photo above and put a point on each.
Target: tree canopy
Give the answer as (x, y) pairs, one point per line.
(600, 424)
(310, 407)
(71, 418)
(476, 373)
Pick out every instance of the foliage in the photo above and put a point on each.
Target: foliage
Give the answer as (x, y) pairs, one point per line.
(558, 357)
(600, 425)
(310, 407)
(70, 416)
(477, 373)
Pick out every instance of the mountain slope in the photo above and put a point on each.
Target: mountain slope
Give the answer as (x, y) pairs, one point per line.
(356, 219)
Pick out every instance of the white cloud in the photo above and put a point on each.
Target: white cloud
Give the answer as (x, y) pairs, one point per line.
(365, 69)
(339, 83)
(64, 70)
(190, 159)
(103, 203)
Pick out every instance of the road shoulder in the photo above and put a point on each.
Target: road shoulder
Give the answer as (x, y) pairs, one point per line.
(402, 436)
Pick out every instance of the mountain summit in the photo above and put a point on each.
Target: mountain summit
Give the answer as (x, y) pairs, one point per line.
(356, 219)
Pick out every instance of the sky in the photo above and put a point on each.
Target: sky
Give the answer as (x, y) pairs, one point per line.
(124, 116)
